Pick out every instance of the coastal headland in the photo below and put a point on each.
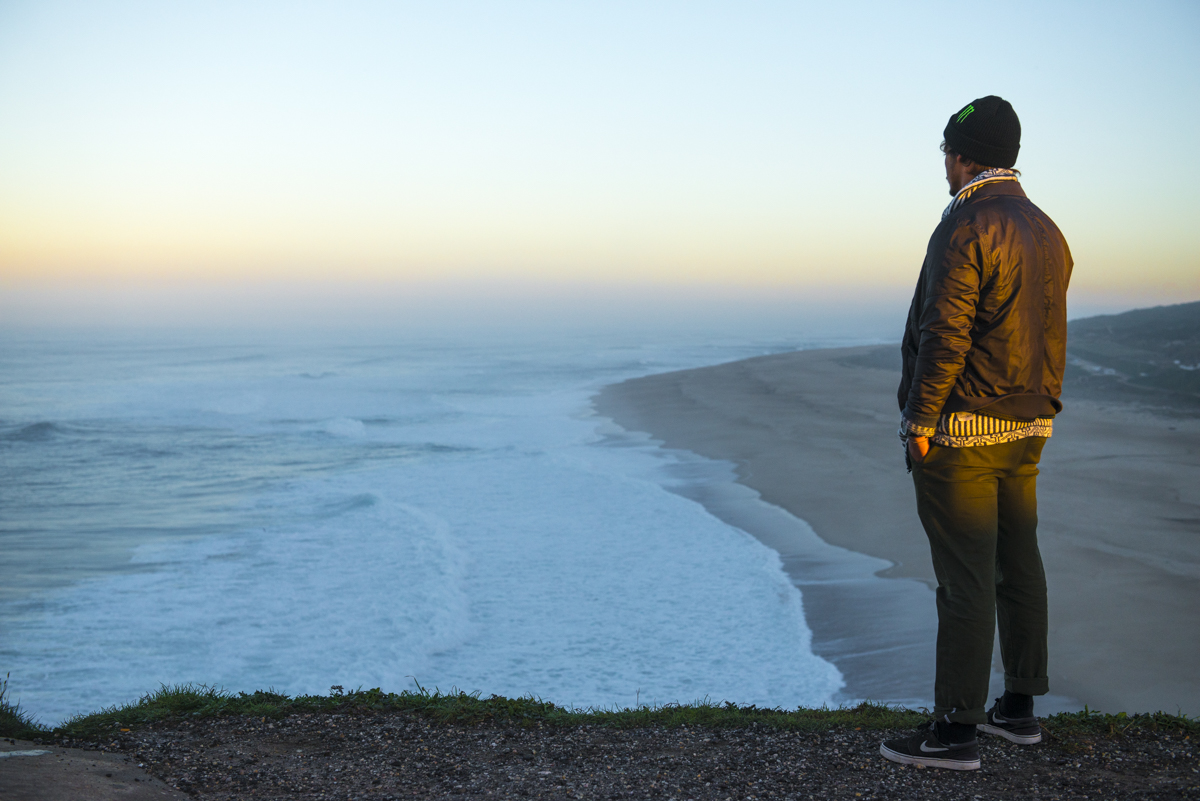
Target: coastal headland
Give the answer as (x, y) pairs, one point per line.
(814, 433)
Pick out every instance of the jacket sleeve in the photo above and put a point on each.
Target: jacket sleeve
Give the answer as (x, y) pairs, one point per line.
(945, 321)
(908, 346)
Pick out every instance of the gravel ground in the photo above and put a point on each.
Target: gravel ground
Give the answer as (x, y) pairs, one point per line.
(400, 755)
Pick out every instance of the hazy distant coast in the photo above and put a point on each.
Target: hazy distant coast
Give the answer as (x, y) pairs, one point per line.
(814, 433)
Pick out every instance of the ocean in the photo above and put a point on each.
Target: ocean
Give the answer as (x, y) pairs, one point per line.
(367, 510)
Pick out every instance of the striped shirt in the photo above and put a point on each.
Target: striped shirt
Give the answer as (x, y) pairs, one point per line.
(967, 429)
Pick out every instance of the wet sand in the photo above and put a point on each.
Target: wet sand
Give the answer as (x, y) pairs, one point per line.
(814, 434)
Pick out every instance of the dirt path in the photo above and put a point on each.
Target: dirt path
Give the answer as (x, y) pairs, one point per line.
(36, 772)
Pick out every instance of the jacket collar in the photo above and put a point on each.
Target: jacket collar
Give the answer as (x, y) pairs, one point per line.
(994, 181)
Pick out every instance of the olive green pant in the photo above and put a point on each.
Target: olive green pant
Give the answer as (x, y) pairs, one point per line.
(979, 509)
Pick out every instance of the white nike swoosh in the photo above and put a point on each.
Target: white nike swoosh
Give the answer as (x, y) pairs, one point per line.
(929, 750)
(996, 718)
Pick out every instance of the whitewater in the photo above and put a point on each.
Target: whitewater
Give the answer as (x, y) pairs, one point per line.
(263, 512)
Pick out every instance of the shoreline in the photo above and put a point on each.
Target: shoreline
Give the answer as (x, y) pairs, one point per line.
(837, 585)
(820, 479)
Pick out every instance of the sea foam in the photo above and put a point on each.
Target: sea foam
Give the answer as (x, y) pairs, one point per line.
(457, 520)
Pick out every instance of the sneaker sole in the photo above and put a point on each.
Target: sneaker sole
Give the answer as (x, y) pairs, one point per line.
(929, 762)
(1012, 737)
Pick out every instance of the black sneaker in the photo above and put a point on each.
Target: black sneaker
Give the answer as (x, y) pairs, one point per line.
(1022, 731)
(926, 749)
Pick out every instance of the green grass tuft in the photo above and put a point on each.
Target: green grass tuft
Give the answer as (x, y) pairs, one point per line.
(15, 723)
(197, 701)
(185, 702)
(1090, 723)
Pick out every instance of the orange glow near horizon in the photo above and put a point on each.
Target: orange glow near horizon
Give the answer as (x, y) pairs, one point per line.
(720, 147)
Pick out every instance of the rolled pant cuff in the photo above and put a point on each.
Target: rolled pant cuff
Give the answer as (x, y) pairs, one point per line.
(975, 716)
(1027, 686)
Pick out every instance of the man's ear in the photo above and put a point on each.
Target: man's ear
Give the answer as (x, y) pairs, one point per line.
(967, 163)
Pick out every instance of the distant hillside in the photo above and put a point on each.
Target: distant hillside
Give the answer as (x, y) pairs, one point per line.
(1150, 356)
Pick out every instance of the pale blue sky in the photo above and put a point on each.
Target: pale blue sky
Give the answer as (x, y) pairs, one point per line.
(764, 145)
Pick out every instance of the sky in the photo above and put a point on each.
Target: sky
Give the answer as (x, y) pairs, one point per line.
(751, 150)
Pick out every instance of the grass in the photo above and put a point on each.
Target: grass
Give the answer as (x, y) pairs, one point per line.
(13, 722)
(189, 702)
(199, 701)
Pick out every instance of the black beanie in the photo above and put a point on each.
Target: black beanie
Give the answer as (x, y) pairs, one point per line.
(986, 131)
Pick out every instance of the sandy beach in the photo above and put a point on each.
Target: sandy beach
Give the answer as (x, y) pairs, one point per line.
(813, 433)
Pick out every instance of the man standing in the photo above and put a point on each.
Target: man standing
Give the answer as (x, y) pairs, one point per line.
(984, 350)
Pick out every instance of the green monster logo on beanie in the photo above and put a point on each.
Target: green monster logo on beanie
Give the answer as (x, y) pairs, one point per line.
(966, 112)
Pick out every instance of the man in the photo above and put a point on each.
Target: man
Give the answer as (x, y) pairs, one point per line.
(984, 351)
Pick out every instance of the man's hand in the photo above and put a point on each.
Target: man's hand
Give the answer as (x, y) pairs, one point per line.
(918, 447)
